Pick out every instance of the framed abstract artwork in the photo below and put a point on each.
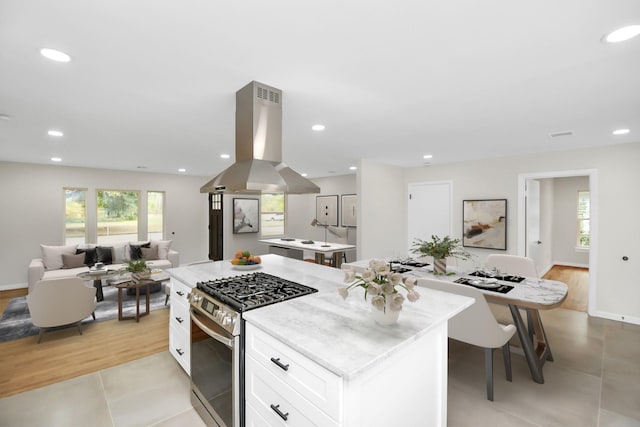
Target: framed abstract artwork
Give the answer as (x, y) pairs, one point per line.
(246, 216)
(484, 224)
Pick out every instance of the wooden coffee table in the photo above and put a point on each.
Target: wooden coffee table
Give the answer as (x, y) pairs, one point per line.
(136, 286)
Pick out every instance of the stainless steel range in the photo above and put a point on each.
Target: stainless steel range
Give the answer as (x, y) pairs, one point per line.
(217, 340)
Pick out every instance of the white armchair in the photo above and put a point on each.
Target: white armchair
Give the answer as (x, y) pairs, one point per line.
(477, 326)
(61, 302)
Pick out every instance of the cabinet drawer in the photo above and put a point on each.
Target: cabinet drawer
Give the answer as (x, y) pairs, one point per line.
(267, 394)
(180, 347)
(179, 316)
(315, 383)
(179, 291)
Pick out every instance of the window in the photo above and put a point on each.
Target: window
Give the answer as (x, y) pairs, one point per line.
(117, 215)
(75, 215)
(272, 214)
(584, 202)
(155, 215)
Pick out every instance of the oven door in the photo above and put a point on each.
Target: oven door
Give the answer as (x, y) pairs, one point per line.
(214, 372)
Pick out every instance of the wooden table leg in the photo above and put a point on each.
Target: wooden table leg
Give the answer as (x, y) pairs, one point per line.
(137, 303)
(337, 256)
(319, 258)
(119, 303)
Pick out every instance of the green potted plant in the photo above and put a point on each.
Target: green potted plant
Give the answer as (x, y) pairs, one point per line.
(138, 268)
(440, 250)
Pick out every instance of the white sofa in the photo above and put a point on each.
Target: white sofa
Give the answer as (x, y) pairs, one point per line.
(51, 265)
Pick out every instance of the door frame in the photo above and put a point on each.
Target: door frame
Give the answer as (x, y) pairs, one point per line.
(593, 221)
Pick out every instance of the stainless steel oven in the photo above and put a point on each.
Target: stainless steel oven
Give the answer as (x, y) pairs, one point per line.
(217, 340)
(215, 366)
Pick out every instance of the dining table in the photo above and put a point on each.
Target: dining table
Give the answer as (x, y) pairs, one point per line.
(531, 294)
(320, 248)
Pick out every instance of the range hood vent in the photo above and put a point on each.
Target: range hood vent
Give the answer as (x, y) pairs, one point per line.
(258, 167)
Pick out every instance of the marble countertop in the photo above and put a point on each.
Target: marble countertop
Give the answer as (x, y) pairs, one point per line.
(532, 292)
(338, 334)
(316, 246)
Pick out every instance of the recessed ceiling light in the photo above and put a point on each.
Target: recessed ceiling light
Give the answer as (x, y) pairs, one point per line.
(620, 131)
(318, 127)
(303, 174)
(55, 133)
(182, 170)
(622, 34)
(224, 156)
(55, 55)
(427, 156)
(56, 159)
(353, 168)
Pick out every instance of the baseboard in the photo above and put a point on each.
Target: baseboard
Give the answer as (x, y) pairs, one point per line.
(12, 286)
(571, 264)
(618, 317)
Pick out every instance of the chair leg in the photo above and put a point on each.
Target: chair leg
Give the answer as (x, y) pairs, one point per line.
(40, 335)
(166, 300)
(488, 369)
(80, 327)
(506, 355)
(93, 315)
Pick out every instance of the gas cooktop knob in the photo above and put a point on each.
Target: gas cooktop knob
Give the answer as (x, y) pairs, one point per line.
(195, 297)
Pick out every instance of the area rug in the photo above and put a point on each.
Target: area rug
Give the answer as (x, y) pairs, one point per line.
(16, 320)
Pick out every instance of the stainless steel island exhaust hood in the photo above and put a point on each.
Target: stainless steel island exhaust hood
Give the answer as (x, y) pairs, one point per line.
(258, 167)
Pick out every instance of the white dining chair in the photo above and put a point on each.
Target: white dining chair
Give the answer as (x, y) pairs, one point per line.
(476, 325)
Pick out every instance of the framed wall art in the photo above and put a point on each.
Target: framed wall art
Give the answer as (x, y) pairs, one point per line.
(246, 216)
(484, 224)
(327, 210)
(348, 210)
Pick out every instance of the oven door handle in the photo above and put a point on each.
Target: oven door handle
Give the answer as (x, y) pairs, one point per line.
(207, 330)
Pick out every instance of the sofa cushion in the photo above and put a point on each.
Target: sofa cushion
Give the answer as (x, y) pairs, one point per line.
(149, 254)
(163, 247)
(159, 263)
(90, 255)
(120, 252)
(60, 274)
(52, 255)
(105, 254)
(134, 250)
(72, 261)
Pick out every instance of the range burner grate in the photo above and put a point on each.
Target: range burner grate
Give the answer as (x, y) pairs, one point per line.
(253, 290)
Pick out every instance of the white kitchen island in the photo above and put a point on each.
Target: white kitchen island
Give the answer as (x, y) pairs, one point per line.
(342, 369)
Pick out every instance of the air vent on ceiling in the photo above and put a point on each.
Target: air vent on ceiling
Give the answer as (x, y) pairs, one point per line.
(557, 134)
(268, 95)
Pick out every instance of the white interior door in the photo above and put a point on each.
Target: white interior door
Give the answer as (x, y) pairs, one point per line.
(532, 220)
(429, 211)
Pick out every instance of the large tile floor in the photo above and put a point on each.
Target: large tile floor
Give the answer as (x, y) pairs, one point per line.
(594, 381)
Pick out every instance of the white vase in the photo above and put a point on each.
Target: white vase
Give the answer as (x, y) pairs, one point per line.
(386, 316)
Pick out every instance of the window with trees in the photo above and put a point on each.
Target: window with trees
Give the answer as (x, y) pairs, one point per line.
(584, 207)
(117, 215)
(155, 215)
(272, 214)
(75, 215)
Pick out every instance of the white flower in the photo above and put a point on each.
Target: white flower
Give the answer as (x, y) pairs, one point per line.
(396, 301)
(395, 278)
(387, 288)
(343, 291)
(373, 289)
(349, 275)
(410, 282)
(382, 269)
(368, 275)
(413, 295)
(378, 302)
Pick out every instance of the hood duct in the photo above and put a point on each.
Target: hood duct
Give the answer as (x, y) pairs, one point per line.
(258, 167)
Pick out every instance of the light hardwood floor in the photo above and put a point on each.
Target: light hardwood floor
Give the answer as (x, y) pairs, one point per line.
(25, 365)
(577, 279)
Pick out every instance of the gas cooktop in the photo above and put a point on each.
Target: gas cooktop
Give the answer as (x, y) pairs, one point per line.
(253, 290)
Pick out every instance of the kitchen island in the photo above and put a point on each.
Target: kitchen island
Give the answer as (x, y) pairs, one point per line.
(321, 360)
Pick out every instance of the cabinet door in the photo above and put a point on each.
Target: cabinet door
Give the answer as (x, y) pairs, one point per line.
(180, 347)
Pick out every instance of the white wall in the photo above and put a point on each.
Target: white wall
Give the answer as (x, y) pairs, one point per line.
(565, 208)
(32, 210)
(616, 280)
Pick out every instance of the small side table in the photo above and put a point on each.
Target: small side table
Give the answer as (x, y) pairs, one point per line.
(130, 285)
(97, 276)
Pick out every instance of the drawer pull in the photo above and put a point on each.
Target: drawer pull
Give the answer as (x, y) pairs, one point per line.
(280, 365)
(179, 319)
(180, 293)
(179, 351)
(279, 412)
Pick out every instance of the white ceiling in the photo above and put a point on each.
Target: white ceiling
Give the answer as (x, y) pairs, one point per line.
(152, 82)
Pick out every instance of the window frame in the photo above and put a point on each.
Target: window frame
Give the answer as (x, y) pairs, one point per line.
(164, 218)
(139, 205)
(580, 220)
(263, 222)
(64, 218)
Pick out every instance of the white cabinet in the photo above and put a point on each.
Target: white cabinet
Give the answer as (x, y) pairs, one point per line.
(282, 383)
(180, 324)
